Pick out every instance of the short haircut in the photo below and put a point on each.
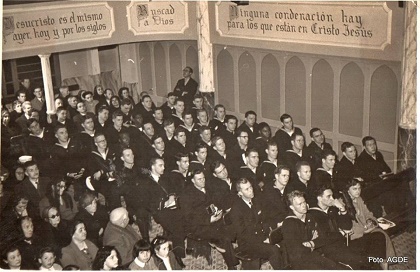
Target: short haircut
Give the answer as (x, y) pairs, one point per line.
(15, 103)
(147, 122)
(126, 101)
(102, 108)
(239, 182)
(201, 110)
(231, 117)
(196, 172)
(73, 227)
(185, 113)
(98, 133)
(71, 97)
(284, 117)
(146, 96)
(299, 165)
(203, 128)
(124, 148)
(178, 156)
(155, 137)
(117, 113)
(30, 121)
(312, 131)
(26, 103)
(328, 152)
(171, 94)
(294, 194)
(178, 130)
(29, 164)
(141, 245)
(215, 139)
(248, 113)
(263, 125)
(367, 138)
(218, 106)
(168, 122)
(153, 161)
(346, 145)
(59, 126)
(19, 92)
(189, 68)
(87, 117)
(86, 199)
(179, 100)
(156, 109)
(319, 191)
(199, 146)
(216, 164)
(44, 250)
(239, 131)
(280, 168)
(198, 95)
(271, 142)
(294, 135)
(60, 109)
(250, 150)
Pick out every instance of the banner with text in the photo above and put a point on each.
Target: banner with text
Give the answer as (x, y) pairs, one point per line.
(25, 29)
(356, 24)
(157, 17)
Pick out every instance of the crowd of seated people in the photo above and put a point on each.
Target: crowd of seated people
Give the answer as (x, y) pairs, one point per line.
(82, 186)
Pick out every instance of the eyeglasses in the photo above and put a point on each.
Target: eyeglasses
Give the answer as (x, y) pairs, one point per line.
(54, 216)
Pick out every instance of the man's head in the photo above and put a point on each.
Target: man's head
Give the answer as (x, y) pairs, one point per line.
(38, 92)
(298, 141)
(179, 106)
(126, 106)
(187, 72)
(61, 114)
(124, 139)
(117, 118)
(127, 155)
(169, 126)
(72, 101)
(21, 96)
(297, 202)
(303, 170)
(64, 91)
(252, 157)
(180, 135)
(250, 118)
(61, 133)
(242, 137)
(108, 93)
(188, 118)
(34, 126)
(369, 143)
(100, 140)
(171, 98)
(205, 133)
(219, 111)
(201, 152)
(231, 122)
(147, 102)
(158, 114)
(87, 96)
(282, 175)
(148, 129)
(272, 150)
(183, 161)
(157, 166)
(158, 143)
(324, 196)
(317, 136)
(198, 179)
(119, 217)
(202, 116)
(244, 188)
(328, 159)
(218, 144)
(198, 101)
(219, 170)
(287, 121)
(34, 114)
(103, 113)
(349, 150)
(31, 170)
(26, 82)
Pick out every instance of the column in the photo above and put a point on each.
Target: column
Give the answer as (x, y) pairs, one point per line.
(205, 55)
(47, 80)
(408, 121)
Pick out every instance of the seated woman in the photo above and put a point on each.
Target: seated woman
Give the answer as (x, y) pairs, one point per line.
(107, 259)
(30, 243)
(80, 251)
(164, 259)
(366, 238)
(54, 230)
(95, 217)
(17, 176)
(57, 196)
(11, 259)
